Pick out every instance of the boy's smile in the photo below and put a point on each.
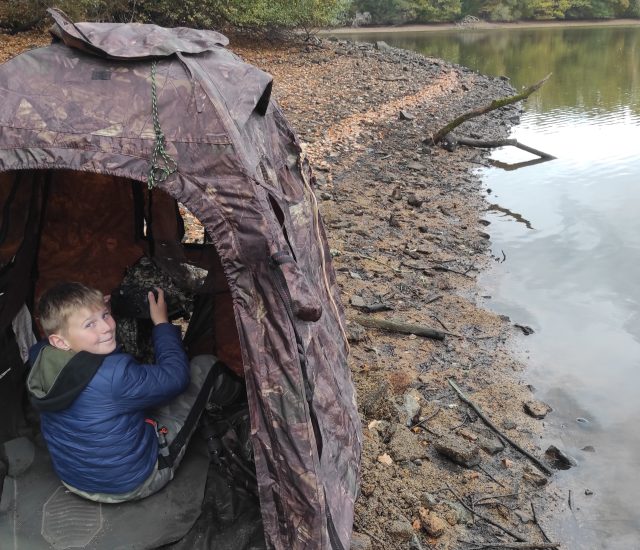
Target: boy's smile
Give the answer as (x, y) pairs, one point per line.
(92, 330)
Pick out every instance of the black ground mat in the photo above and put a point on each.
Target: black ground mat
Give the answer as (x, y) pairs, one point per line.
(230, 518)
(37, 512)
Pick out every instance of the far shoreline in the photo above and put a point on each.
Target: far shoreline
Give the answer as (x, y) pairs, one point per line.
(481, 26)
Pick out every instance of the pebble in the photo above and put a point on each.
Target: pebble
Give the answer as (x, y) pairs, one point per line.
(537, 409)
(428, 500)
(400, 529)
(490, 444)
(412, 200)
(562, 460)
(416, 166)
(411, 406)
(432, 524)
(534, 476)
(523, 516)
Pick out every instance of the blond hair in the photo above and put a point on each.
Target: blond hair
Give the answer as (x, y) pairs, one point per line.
(58, 303)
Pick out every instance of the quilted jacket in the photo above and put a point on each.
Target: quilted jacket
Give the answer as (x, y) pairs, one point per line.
(93, 410)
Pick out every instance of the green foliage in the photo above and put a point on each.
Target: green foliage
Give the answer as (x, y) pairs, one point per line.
(385, 12)
(19, 15)
(253, 14)
(437, 10)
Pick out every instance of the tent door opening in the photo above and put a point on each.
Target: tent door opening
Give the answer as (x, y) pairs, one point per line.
(109, 232)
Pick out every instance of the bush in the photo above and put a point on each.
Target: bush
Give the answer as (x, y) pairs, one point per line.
(17, 15)
(22, 15)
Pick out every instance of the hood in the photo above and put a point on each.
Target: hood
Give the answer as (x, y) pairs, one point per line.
(58, 377)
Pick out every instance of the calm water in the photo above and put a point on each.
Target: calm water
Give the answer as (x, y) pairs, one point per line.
(573, 272)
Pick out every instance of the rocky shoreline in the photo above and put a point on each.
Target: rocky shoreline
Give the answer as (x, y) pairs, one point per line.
(406, 229)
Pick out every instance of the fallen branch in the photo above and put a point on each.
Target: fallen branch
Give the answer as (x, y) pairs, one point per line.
(495, 104)
(517, 545)
(490, 144)
(392, 325)
(491, 425)
(480, 467)
(535, 520)
(422, 422)
(485, 518)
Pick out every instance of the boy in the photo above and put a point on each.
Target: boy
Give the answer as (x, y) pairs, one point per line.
(105, 442)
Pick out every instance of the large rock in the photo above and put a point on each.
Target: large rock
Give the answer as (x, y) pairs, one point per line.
(400, 530)
(537, 409)
(410, 406)
(460, 451)
(404, 445)
(434, 525)
(560, 458)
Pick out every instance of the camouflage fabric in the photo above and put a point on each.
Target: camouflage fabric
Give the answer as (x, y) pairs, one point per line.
(78, 108)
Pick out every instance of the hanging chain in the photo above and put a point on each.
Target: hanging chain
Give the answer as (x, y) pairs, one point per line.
(157, 173)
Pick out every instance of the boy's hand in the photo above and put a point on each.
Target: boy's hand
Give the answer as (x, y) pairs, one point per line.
(158, 308)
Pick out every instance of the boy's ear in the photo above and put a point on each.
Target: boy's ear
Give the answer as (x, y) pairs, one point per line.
(58, 341)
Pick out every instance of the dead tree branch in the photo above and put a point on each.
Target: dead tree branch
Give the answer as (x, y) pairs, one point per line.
(398, 326)
(515, 545)
(491, 425)
(490, 144)
(495, 104)
(485, 518)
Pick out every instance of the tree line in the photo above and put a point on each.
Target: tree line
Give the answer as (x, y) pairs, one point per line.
(267, 15)
(394, 12)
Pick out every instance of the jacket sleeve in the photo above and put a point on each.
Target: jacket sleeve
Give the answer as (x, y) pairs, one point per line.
(137, 386)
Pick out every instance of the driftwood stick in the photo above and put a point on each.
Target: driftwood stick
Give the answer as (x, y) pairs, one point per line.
(485, 518)
(393, 325)
(517, 545)
(535, 520)
(490, 144)
(495, 104)
(489, 475)
(422, 422)
(491, 425)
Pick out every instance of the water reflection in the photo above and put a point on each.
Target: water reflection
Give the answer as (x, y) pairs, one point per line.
(593, 68)
(572, 270)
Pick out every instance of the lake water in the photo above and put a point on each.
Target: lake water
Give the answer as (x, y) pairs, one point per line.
(568, 260)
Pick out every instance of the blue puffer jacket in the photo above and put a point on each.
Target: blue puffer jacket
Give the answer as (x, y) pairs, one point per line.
(92, 410)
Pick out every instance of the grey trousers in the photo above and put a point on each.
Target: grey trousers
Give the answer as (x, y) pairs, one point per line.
(180, 417)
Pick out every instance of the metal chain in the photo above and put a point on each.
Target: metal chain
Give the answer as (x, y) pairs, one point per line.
(157, 173)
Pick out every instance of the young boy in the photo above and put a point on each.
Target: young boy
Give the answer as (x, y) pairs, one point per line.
(96, 403)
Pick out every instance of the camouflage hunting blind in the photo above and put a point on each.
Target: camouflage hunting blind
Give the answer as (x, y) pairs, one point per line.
(107, 136)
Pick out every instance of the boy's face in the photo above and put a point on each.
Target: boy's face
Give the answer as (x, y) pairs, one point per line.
(88, 329)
